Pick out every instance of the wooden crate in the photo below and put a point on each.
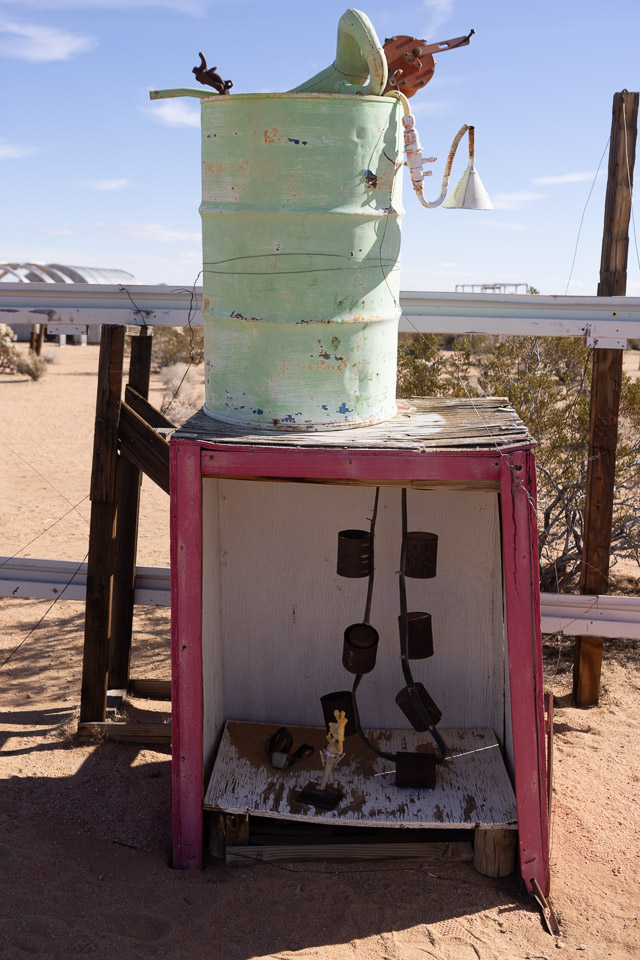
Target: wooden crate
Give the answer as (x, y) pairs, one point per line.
(259, 611)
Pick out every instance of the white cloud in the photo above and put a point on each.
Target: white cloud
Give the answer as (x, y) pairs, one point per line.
(439, 12)
(120, 184)
(154, 233)
(514, 201)
(14, 151)
(59, 232)
(565, 178)
(173, 113)
(190, 7)
(37, 43)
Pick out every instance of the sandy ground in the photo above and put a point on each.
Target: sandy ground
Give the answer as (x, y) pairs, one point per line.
(85, 828)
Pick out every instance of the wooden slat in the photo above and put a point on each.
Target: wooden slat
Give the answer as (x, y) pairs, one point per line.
(144, 447)
(129, 484)
(433, 423)
(456, 851)
(472, 786)
(93, 696)
(103, 472)
(137, 399)
(150, 689)
(125, 732)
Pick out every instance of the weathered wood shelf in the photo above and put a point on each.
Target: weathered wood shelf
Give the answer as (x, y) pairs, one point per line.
(472, 787)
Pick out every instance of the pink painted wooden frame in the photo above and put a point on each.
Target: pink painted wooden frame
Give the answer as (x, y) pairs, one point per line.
(512, 472)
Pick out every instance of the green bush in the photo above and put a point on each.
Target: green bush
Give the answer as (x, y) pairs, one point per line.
(548, 381)
(173, 345)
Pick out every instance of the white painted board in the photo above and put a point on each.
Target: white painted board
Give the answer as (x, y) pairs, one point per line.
(472, 785)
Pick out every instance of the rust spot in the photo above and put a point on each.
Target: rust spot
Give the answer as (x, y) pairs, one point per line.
(240, 316)
(271, 135)
(370, 179)
(206, 303)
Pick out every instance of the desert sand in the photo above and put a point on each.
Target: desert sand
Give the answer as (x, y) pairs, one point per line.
(85, 844)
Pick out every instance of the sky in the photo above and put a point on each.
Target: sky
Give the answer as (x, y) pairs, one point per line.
(94, 174)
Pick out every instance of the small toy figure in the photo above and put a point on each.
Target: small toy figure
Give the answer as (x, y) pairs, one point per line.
(320, 794)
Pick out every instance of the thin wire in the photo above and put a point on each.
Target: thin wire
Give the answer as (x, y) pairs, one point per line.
(575, 252)
(626, 153)
(46, 480)
(46, 529)
(50, 607)
(137, 309)
(191, 335)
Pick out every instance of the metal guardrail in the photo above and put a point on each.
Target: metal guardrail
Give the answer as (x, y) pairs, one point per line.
(70, 308)
(569, 614)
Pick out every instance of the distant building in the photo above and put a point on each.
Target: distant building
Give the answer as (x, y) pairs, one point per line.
(60, 273)
(492, 288)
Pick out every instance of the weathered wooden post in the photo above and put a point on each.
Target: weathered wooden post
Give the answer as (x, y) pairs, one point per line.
(605, 393)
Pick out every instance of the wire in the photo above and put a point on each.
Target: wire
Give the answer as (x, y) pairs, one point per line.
(575, 252)
(22, 549)
(50, 607)
(191, 335)
(137, 310)
(46, 480)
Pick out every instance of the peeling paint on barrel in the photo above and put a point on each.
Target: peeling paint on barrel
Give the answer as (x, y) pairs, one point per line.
(295, 239)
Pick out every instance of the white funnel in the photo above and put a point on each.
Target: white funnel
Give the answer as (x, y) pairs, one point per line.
(470, 193)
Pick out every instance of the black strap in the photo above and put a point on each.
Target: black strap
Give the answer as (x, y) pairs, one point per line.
(404, 659)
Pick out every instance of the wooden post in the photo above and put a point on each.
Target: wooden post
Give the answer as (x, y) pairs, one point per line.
(129, 483)
(104, 475)
(605, 393)
(42, 328)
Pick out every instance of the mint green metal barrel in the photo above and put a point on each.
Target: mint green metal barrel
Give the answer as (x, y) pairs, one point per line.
(301, 209)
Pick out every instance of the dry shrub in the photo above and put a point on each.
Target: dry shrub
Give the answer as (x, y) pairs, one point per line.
(31, 365)
(183, 392)
(8, 353)
(173, 345)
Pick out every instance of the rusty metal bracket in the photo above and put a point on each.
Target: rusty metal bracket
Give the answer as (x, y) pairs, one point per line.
(209, 77)
(548, 913)
(410, 61)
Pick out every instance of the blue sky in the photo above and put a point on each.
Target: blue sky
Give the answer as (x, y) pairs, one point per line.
(94, 174)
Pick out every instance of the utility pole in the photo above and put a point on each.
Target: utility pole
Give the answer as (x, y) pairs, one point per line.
(605, 393)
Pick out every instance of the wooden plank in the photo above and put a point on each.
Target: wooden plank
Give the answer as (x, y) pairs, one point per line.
(606, 384)
(472, 785)
(125, 732)
(93, 695)
(524, 644)
(144, 447)
(150, 689)
(494, 852)
(129, 483)
(137, 400)
(448, 467)
(105, 450)
(423, 423)
(454, 851)
(186, 654)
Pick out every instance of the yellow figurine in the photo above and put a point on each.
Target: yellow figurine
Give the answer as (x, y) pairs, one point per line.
(335, 737)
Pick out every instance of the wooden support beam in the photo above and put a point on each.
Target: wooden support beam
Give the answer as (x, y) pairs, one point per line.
(605, 393)
(457, 851)
(138, 402)
(129, 483)
(150, 689)
(144, 447)
(93, 696)
(125, 732)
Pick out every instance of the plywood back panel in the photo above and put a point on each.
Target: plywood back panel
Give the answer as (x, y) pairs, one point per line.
(283, 609)
(212, 666)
